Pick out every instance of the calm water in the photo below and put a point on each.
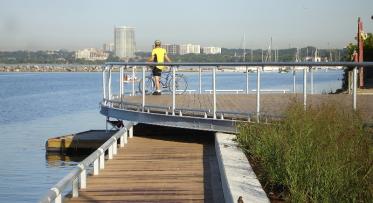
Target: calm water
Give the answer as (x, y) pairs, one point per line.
(37, 106)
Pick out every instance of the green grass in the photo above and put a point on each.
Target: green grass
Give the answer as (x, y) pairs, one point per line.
(323, 154)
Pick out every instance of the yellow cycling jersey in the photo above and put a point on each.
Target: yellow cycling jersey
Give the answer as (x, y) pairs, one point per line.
(159, 54)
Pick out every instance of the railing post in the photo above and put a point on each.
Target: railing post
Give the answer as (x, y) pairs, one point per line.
(83, 179)
(294, 74)
(109, 89)
(115, 146)
(75, 187)
(121, 71)
(130, 132)
(200, 80)
(58, 198)
(258, 93)
(311, 73)
(354, 90)
(133, 80)
(104, 83)
(173, 90)
(95, 167)
(102, 158)
(143, 88)
(305, 87)
(214, 91)
(110, 152)
(247, 80)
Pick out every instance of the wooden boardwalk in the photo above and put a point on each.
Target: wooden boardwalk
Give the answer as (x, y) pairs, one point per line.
(271, 104)
(174, 166)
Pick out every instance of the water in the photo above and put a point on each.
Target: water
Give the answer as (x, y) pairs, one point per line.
(37, 106)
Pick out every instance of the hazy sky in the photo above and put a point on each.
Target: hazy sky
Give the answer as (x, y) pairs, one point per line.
(74, 24)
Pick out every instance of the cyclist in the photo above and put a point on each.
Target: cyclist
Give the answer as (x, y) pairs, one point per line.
(159, 54)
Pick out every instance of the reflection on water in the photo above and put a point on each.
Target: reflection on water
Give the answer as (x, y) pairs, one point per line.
(63, 160)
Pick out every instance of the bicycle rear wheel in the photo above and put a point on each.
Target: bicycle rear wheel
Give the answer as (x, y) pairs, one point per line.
(149, 86)
(181, 84)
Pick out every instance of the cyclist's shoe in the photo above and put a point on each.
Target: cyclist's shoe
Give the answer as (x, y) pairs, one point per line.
(157, 93)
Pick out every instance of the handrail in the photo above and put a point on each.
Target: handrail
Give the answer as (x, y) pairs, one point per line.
(213, 67)
(227, 64)
(79, 173)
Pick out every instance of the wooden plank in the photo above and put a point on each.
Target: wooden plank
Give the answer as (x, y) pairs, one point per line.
(157, 169)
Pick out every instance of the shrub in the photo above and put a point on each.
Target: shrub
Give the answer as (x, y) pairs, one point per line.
(323, 154)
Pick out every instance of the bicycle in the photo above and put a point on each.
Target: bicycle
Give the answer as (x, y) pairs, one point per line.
(165, 81)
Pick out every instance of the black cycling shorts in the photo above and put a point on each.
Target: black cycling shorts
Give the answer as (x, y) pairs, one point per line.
(156, 71)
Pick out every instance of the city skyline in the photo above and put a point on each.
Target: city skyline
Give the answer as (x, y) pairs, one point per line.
(73, 25)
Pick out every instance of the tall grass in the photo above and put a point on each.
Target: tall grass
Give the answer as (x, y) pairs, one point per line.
(323, 154)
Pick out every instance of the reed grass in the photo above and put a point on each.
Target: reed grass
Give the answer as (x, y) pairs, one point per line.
(323, 154)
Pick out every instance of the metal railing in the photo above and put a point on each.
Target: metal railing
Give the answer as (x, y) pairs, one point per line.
(77, 177)
(259, 67)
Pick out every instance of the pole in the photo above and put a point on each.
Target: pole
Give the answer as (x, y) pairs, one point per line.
(133, 80)
(354, 84)
(305, 87)
(294, 79)
(143, 88)
(200, 80)
(258, 93)
(173, 90)
(311, 73)
(247, 80)
(214, 91)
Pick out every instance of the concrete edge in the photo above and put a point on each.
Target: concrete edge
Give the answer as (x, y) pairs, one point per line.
(237, 176)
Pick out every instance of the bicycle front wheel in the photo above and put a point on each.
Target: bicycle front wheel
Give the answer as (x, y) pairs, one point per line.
(181, 84)
(149, 86)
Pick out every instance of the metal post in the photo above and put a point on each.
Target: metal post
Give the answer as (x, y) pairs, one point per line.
(173, 90)
(133, 80)
(354, 85)
(214, 91)
(75, 187)
(311, 73)
(305, 87)
(200, 80)
(247, 80)
(258, 94)
(104, 83)
(109, 89)
(294, 74)
(95, 167)
(143, 88)
(121, 86)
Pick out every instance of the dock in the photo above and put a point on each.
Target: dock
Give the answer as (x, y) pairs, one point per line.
(159, 167)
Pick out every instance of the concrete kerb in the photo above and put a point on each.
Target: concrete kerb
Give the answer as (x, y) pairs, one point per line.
(237, 176)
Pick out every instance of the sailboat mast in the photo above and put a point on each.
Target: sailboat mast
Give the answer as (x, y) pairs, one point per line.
(244, 48)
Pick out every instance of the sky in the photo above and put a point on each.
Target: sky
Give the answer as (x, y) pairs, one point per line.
(77, 24)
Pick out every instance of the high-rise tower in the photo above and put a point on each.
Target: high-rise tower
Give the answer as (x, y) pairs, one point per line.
(124, 42)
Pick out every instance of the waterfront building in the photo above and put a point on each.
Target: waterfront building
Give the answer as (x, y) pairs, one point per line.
(108, 47)
(190, 49)
(124, 42)
(172, 49)
(211, 50)
(91, 54)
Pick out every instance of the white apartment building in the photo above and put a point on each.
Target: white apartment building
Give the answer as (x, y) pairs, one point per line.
(91, 54)
(171, 48)
(211, 50)
(108, 47)
(190, 49)
(124, 42)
